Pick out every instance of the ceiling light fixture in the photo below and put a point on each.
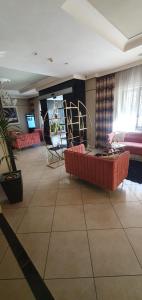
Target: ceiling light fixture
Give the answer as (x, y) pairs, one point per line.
(50, 59)
(35, 53)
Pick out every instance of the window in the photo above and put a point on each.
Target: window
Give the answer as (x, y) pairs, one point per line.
(139, 115)
(127, 115)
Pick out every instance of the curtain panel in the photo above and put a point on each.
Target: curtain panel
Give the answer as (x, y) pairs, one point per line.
(104, 108)
(128, 100)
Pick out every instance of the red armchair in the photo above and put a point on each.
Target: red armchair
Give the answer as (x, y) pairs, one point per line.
(107, 173)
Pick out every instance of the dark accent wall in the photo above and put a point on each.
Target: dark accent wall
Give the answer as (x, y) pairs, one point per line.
(78, 89)
(78, 93)
(44, 114)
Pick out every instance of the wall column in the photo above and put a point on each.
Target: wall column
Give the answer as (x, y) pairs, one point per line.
(90, 89)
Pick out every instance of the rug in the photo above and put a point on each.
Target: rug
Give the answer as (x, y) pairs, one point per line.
(135, 171)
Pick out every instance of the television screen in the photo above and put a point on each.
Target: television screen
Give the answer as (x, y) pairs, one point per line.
(31, 121)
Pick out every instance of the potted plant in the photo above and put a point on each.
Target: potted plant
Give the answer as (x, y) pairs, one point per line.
(12, 180)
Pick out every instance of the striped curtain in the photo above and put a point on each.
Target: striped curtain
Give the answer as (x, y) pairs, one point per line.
(104, 108)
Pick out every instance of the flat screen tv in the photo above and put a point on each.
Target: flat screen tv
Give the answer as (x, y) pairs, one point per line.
(30, 121)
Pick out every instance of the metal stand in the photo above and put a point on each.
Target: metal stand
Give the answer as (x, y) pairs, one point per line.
(57, 154)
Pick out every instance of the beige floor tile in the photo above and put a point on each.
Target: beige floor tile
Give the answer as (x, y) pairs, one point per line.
(30, 184)
(32, 177)
(50, 173)
(130, 214)
(112, 254)
(119, 288)
(72, 289)
(3, 245)
(138, 193)
(68, 255)
(93, 195)
(69, 183)
(9, 267)
(15, 290)
(123, 195)
(69, 197)
(135, 237)
(69, 218)
(49, 183)
(136, 188)
(14, 216)
(37, 219)
(101, 216)
(36, 245)
(44, 197)
(63, 172)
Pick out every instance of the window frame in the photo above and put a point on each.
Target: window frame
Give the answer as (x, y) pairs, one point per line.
(139, 128)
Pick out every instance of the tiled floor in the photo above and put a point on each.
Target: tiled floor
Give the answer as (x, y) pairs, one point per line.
(86, 243)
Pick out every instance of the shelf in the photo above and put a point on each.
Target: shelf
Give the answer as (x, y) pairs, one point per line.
(72, 123)
(75, 137)
(72, 107)
(54, 119)
(83, 129)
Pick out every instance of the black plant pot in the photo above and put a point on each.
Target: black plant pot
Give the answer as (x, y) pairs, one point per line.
(13, 186)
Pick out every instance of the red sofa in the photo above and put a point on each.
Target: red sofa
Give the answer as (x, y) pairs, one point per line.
(133, 142)
(40, 131)
(24, 140)
(107, 173)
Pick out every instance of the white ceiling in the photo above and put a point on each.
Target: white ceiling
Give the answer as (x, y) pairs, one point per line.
(45, 27)
(124, 15)
(19, 79)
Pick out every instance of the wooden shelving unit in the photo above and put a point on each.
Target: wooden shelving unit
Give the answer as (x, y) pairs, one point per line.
(75, 124)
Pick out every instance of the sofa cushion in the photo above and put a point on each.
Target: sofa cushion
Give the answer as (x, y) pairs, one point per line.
(135, 137)
(109, 137)
(134, 148)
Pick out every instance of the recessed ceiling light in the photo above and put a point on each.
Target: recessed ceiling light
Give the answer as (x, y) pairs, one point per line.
(35, 53)
(50, 59)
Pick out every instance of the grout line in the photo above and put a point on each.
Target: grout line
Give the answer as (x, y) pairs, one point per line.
(124, 230)
(50, 233)
(20, 222)
(95, 288)
(72, 230)
(15, 278)
(35, 281)
(118, 275)
(131, 244)
(5, 252)
(95, 277)
(74, 277)
(81, 277)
